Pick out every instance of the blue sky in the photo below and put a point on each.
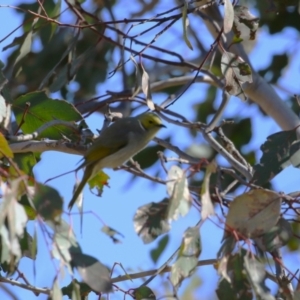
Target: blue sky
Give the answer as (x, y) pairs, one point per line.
(119, 202)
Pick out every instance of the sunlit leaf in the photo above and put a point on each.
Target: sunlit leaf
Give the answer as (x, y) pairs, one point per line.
(79, 290)
(245, 24)
(150, 220)
(25, 46)
(254, 213)
(40, 110)
(63, 240)
(13, 220)
(177, 188)
(56, 292)
(187, 260)
(146, 88)
(98, 182)
(138, 77)
(207, 206)
(4, 147)
(228, 16)
(236, 72)
(3, 109)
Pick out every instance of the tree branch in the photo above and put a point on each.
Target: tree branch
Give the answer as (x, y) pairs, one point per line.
(35, 290)
(49, 145)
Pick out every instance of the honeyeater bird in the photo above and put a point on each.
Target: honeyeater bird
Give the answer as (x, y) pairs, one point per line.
(116, 144)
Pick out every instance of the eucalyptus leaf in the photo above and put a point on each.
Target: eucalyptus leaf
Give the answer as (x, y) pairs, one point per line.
(150, 220)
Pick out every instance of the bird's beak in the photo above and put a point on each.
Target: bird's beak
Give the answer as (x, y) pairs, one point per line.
(162, 125)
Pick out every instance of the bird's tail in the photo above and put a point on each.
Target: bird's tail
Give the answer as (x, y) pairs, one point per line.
(76, 194)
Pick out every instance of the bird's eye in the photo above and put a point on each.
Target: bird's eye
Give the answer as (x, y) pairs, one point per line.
(150, 122)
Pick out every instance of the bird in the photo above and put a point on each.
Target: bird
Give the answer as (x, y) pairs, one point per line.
(116, 144)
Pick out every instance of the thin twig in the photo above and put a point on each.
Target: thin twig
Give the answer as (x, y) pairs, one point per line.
(218, 115)
(166, 269)
(236, 164)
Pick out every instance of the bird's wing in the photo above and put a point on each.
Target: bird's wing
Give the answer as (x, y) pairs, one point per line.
(112, 139)
(95, 153)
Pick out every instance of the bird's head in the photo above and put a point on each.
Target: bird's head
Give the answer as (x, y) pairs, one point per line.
(151, 121)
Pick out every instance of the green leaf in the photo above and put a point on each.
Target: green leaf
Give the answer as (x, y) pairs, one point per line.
(187, 260)
(146, 88)
(294, 243)
(79, 291)
(277, 237)
(26, 162)
(207, 107)
(228, 244)
(42, 110)
(256, 273)
(253, 214)
(233, 132)
(276, 156)
(159, 249)
(75, 290)
(6, 259)
(61, 81)
(234, 285)
(143, 293)
(92, 272)
(148, 156)
(56, 292)
(4, 93)
(28, 245)
(25, 46)
(150, 220)
(207, 206)
(28, 206)
(13, 220)
(4, 148)
(177, 188)
(99, 181)
(47, 201)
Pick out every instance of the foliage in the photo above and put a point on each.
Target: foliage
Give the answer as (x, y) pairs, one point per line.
(86, 43)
